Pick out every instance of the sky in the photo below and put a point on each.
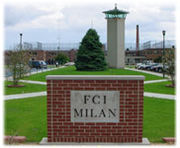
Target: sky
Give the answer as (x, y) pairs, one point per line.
(67, 21)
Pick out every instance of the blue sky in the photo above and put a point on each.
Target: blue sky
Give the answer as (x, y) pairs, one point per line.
(68, 21)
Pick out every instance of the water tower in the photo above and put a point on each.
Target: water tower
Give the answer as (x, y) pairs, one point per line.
(116, 37)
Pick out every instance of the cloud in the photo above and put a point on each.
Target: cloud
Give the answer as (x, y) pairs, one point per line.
(83, 16)
(152, 19)
(73, 19)
(31, 16)
(16, 15)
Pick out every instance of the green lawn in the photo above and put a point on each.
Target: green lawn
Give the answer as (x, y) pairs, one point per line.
(51, 66)
(27, 117)
(159, 119)
(28, 88)
(71, 70)
(130, 66)
(159, 88)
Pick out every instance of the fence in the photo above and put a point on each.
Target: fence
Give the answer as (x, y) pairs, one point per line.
(68, 46)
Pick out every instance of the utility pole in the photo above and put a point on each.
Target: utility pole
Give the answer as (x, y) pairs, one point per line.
(163, 57)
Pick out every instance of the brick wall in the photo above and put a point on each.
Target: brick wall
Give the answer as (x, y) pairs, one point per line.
(130, 125)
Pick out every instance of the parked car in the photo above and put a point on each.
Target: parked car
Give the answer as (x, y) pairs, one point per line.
(141, 66)
(43, 64)
(38, 64)
(154, 67)
(144, 66)
(159, 68)
(148, 67)
(137, 65)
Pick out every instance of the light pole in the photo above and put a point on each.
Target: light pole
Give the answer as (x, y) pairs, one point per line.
(163, 57)
(20, 70)
(20, 41)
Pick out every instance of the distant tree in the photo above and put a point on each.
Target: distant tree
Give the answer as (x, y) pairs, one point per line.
(170, 64)
(90, 55)
(62, 58)
(158, 59)
(18, 64)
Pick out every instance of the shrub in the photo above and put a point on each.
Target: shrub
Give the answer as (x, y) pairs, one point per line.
(18, 64)
(170, 62)
(61, 58)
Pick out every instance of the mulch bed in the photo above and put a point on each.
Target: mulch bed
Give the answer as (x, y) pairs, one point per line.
(170, 140)
(170, 85)
(15, 86)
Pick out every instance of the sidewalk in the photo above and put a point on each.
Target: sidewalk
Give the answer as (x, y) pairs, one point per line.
(44, 70)
(148, 72)
(35, 72)
(25, 95)
(161, 96)
(44, 93)
(155, 81)
(33, 82)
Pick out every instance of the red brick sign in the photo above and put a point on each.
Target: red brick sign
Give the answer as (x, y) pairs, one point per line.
(86, 108)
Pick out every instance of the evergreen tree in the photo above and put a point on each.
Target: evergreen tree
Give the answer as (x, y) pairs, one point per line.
(90, 56)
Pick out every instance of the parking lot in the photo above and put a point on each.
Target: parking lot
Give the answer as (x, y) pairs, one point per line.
(149, 66)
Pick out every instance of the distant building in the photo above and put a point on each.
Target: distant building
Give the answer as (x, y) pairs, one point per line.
(48, 51)
(146, 45)
(34, 45)
(132, 58)
(45, 55)
(145, 54)
(49, 55)
(37, 45)
(153, 53)
(150, 50)
(158, 44)
(27, 45)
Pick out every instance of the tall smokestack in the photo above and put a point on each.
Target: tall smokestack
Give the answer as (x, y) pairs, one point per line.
(137, 40)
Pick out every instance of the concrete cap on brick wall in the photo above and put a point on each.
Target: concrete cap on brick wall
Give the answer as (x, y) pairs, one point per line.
(95, 77)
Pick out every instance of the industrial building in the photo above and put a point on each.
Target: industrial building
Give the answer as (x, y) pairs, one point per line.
(45, 55)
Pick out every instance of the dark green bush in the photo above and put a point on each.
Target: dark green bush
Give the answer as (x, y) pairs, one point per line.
(62, 58)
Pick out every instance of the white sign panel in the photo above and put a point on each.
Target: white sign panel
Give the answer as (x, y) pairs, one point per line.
(95, 106)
